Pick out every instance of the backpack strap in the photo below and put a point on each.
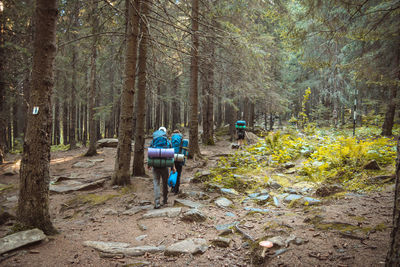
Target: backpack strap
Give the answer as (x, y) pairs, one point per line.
(180, 145)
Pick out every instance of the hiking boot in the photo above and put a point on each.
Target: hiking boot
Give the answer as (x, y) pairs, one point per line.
(157, 205)
(165, 202)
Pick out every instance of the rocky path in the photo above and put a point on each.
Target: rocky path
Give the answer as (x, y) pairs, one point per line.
(104, 225)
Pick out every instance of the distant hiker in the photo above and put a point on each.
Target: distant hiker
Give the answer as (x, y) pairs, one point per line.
(180, 148)
(241, 132)
(161, 156)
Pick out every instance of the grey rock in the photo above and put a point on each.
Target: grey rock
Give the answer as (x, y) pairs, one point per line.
(83, 165)
(193, 215)
(12, 199)
(229, 191)
(221, 241)
(292, 197)
(224, 232)
(188, 246)
(262, 198)
(107, 247)
(167, 212)
(20, 239)
(107, 142)
(141, 237)
(290, 171)
(280, 251)
(311, 201)
(300, 241)
(291, 190)
(144, 203)
(274, 185)
(328, 190)
(138, 263)
(201, 177)
(372, 165)
(289, 165)
(12, 170)
(224, 227)
(121, 248)
(96, 160)
(142, 227)
(110, 212)
(141, 250)
(256, 209)
(278, 240)
(223, 202)
(76, 186)
(187, 203)
(276, 201)
(253, 195)
(136, 209)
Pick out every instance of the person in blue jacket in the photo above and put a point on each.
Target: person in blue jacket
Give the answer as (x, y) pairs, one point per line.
(160, 173)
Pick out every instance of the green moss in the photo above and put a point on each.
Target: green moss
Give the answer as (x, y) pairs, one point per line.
(342, 227)
(358, 218)
(90, 199)
(18, 227)
(5, 187)
(60, 147)
(127, 189)
(380, 227)
(282, 180)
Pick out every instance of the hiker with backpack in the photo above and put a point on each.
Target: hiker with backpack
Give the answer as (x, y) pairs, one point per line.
(241, 132)
(178, 144)
(160, 157)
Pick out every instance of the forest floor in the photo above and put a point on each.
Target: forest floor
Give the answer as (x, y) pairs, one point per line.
(353, 230)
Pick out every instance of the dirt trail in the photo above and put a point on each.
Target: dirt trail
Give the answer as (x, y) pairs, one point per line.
(97, 215)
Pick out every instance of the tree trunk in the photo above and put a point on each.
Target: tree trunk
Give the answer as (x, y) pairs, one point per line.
(158, 102)
(251, 115)
(110, 128)
(208, 85)
(33, 202)
(121, 174)
(176, 104)
(166, 107)
(3, 121)
(149, 111)
(65, 121)
(185, 113)
(92, 91)
(56, 135)
(72, 106)
(230, 118)
(194, 149)
(393, 258)
(85, 124)
(391, 111)
(219, 105)
(138, 158)
(389, 116)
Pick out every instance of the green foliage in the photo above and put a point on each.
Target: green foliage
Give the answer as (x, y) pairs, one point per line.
(343, 158)
(326, 156)
(60, 147)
